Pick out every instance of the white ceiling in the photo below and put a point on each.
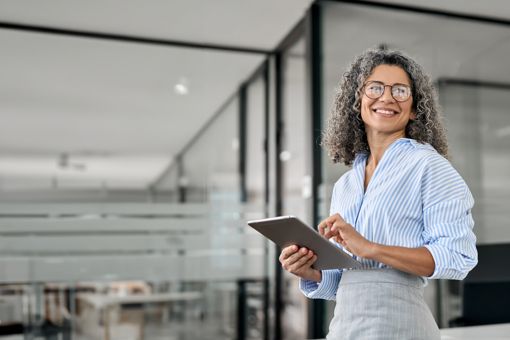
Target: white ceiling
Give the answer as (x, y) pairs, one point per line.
(489, 8)
(242, 23)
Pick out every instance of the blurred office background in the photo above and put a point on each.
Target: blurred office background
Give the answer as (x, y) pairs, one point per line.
(137, 138)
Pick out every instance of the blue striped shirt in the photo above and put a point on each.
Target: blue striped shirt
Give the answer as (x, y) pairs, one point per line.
(415, 198)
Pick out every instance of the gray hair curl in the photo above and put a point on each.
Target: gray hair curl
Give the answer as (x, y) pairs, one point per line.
(345, 136)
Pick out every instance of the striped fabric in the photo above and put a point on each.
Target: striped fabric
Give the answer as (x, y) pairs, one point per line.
(415, 198)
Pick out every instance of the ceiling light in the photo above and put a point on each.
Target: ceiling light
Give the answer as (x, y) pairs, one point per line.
(285, 156)
(182, 87)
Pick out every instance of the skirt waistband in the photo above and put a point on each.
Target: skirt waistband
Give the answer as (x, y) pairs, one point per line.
(388, 275)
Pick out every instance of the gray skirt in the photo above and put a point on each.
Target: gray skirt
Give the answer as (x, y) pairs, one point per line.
(381, 304)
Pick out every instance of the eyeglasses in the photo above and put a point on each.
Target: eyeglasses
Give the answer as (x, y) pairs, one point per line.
(375, 89)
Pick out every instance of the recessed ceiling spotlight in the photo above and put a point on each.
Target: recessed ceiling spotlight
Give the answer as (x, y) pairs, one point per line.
(285, 156)
(182, 87)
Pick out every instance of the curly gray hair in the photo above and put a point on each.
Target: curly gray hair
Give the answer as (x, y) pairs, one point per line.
(345, 136)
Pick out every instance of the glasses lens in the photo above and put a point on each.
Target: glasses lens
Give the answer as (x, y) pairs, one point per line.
(374, 90)
(400, 92)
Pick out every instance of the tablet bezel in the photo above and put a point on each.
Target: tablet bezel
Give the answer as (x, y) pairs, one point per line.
(288, 230)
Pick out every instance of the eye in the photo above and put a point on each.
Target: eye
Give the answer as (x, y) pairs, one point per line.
(400, 91)
(375, 88)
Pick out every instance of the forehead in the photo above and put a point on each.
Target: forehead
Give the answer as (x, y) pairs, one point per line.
(389, 74)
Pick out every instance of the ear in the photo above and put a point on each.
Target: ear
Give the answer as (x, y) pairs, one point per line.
(412, 116)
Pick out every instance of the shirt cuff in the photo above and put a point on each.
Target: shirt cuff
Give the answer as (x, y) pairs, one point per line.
(444, 267)
(326, 289)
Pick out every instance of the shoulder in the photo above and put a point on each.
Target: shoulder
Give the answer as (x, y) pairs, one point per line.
(431, 159)
(440, 181)
(421, 161)
(426, 155)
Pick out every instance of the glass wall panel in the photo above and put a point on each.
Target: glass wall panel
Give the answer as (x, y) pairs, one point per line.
(478, 125)
(258, 297)
(296, 163)
(118, 220)
(449, 49)
(211, 164)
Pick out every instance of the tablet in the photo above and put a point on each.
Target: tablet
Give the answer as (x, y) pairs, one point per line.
(288, 230)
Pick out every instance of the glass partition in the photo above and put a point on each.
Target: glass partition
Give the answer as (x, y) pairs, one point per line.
(296, 165)
(120, 212)
(210, 166)
(479, 130)
(259, 306)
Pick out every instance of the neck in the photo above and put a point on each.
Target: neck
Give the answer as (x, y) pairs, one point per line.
(378, 143)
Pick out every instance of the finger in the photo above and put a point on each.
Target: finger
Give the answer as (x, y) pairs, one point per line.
(338, 226)
(342, 242)
(302, 261)
(339, 240)
(332, 231)
(311, 261)
(328, 234)
(333, 223)
(288, 251)
(326, 224)
(291, 260)
(322, 227)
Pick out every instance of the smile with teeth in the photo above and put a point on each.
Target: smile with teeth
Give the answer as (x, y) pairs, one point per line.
(385, 111)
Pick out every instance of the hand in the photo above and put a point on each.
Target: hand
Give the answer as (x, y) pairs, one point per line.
(299, 261)
(343, 233)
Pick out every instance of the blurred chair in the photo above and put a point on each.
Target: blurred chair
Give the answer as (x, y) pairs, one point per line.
(485, 291)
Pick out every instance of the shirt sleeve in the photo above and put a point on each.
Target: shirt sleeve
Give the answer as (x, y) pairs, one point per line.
(448, 223)
(326, 289)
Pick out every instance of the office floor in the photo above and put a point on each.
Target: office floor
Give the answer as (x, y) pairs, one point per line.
(187, 330)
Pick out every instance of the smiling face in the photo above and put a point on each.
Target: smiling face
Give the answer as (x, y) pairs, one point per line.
(384, 116)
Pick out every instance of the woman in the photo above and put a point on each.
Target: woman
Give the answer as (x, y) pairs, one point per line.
(402, 210)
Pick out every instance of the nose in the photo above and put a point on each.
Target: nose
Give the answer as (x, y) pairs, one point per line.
(386, 96)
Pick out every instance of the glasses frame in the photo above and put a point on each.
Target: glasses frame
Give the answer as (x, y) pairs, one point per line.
(363, 89)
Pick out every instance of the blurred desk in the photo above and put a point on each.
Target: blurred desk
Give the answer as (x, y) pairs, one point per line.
(100, 301)
(498, 331)
(106, 302)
